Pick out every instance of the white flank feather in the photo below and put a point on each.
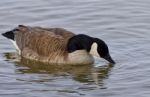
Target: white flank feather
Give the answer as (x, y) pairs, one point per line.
(16, 46)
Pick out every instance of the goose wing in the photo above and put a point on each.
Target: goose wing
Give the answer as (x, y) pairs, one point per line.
(42, 41)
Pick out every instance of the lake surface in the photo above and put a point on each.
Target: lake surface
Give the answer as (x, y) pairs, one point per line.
(123, 24)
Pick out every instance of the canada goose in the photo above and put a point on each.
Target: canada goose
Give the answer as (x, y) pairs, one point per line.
(57, 45)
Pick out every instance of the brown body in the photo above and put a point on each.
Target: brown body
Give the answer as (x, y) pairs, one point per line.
(48, 45)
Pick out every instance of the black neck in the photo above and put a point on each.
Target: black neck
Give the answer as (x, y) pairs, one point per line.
(80, 42)
(102, 47)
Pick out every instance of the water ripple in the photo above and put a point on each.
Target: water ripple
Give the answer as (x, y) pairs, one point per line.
(123, 24)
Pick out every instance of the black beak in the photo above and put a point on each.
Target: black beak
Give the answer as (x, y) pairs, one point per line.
(109, 59)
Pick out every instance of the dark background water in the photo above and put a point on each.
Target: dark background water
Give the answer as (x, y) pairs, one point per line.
(123, 24)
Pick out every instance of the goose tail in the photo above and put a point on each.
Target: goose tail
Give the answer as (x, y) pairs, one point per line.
(11, 36)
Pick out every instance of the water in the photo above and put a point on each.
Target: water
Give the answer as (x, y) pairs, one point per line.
(123, 24)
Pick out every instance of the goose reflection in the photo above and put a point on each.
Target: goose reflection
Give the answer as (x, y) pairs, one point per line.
(81, 73)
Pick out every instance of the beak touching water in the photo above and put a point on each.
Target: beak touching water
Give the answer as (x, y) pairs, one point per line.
(109, 59)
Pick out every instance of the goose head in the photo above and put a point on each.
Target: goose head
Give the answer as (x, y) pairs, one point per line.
(94, 46)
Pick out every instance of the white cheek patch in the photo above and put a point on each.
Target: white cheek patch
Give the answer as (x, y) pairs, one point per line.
(93, 50)
(16, 46)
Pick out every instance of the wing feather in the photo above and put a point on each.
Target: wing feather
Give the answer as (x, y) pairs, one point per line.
(42, 41)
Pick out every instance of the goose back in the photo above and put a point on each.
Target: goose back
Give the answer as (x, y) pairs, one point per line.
(43, 44)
